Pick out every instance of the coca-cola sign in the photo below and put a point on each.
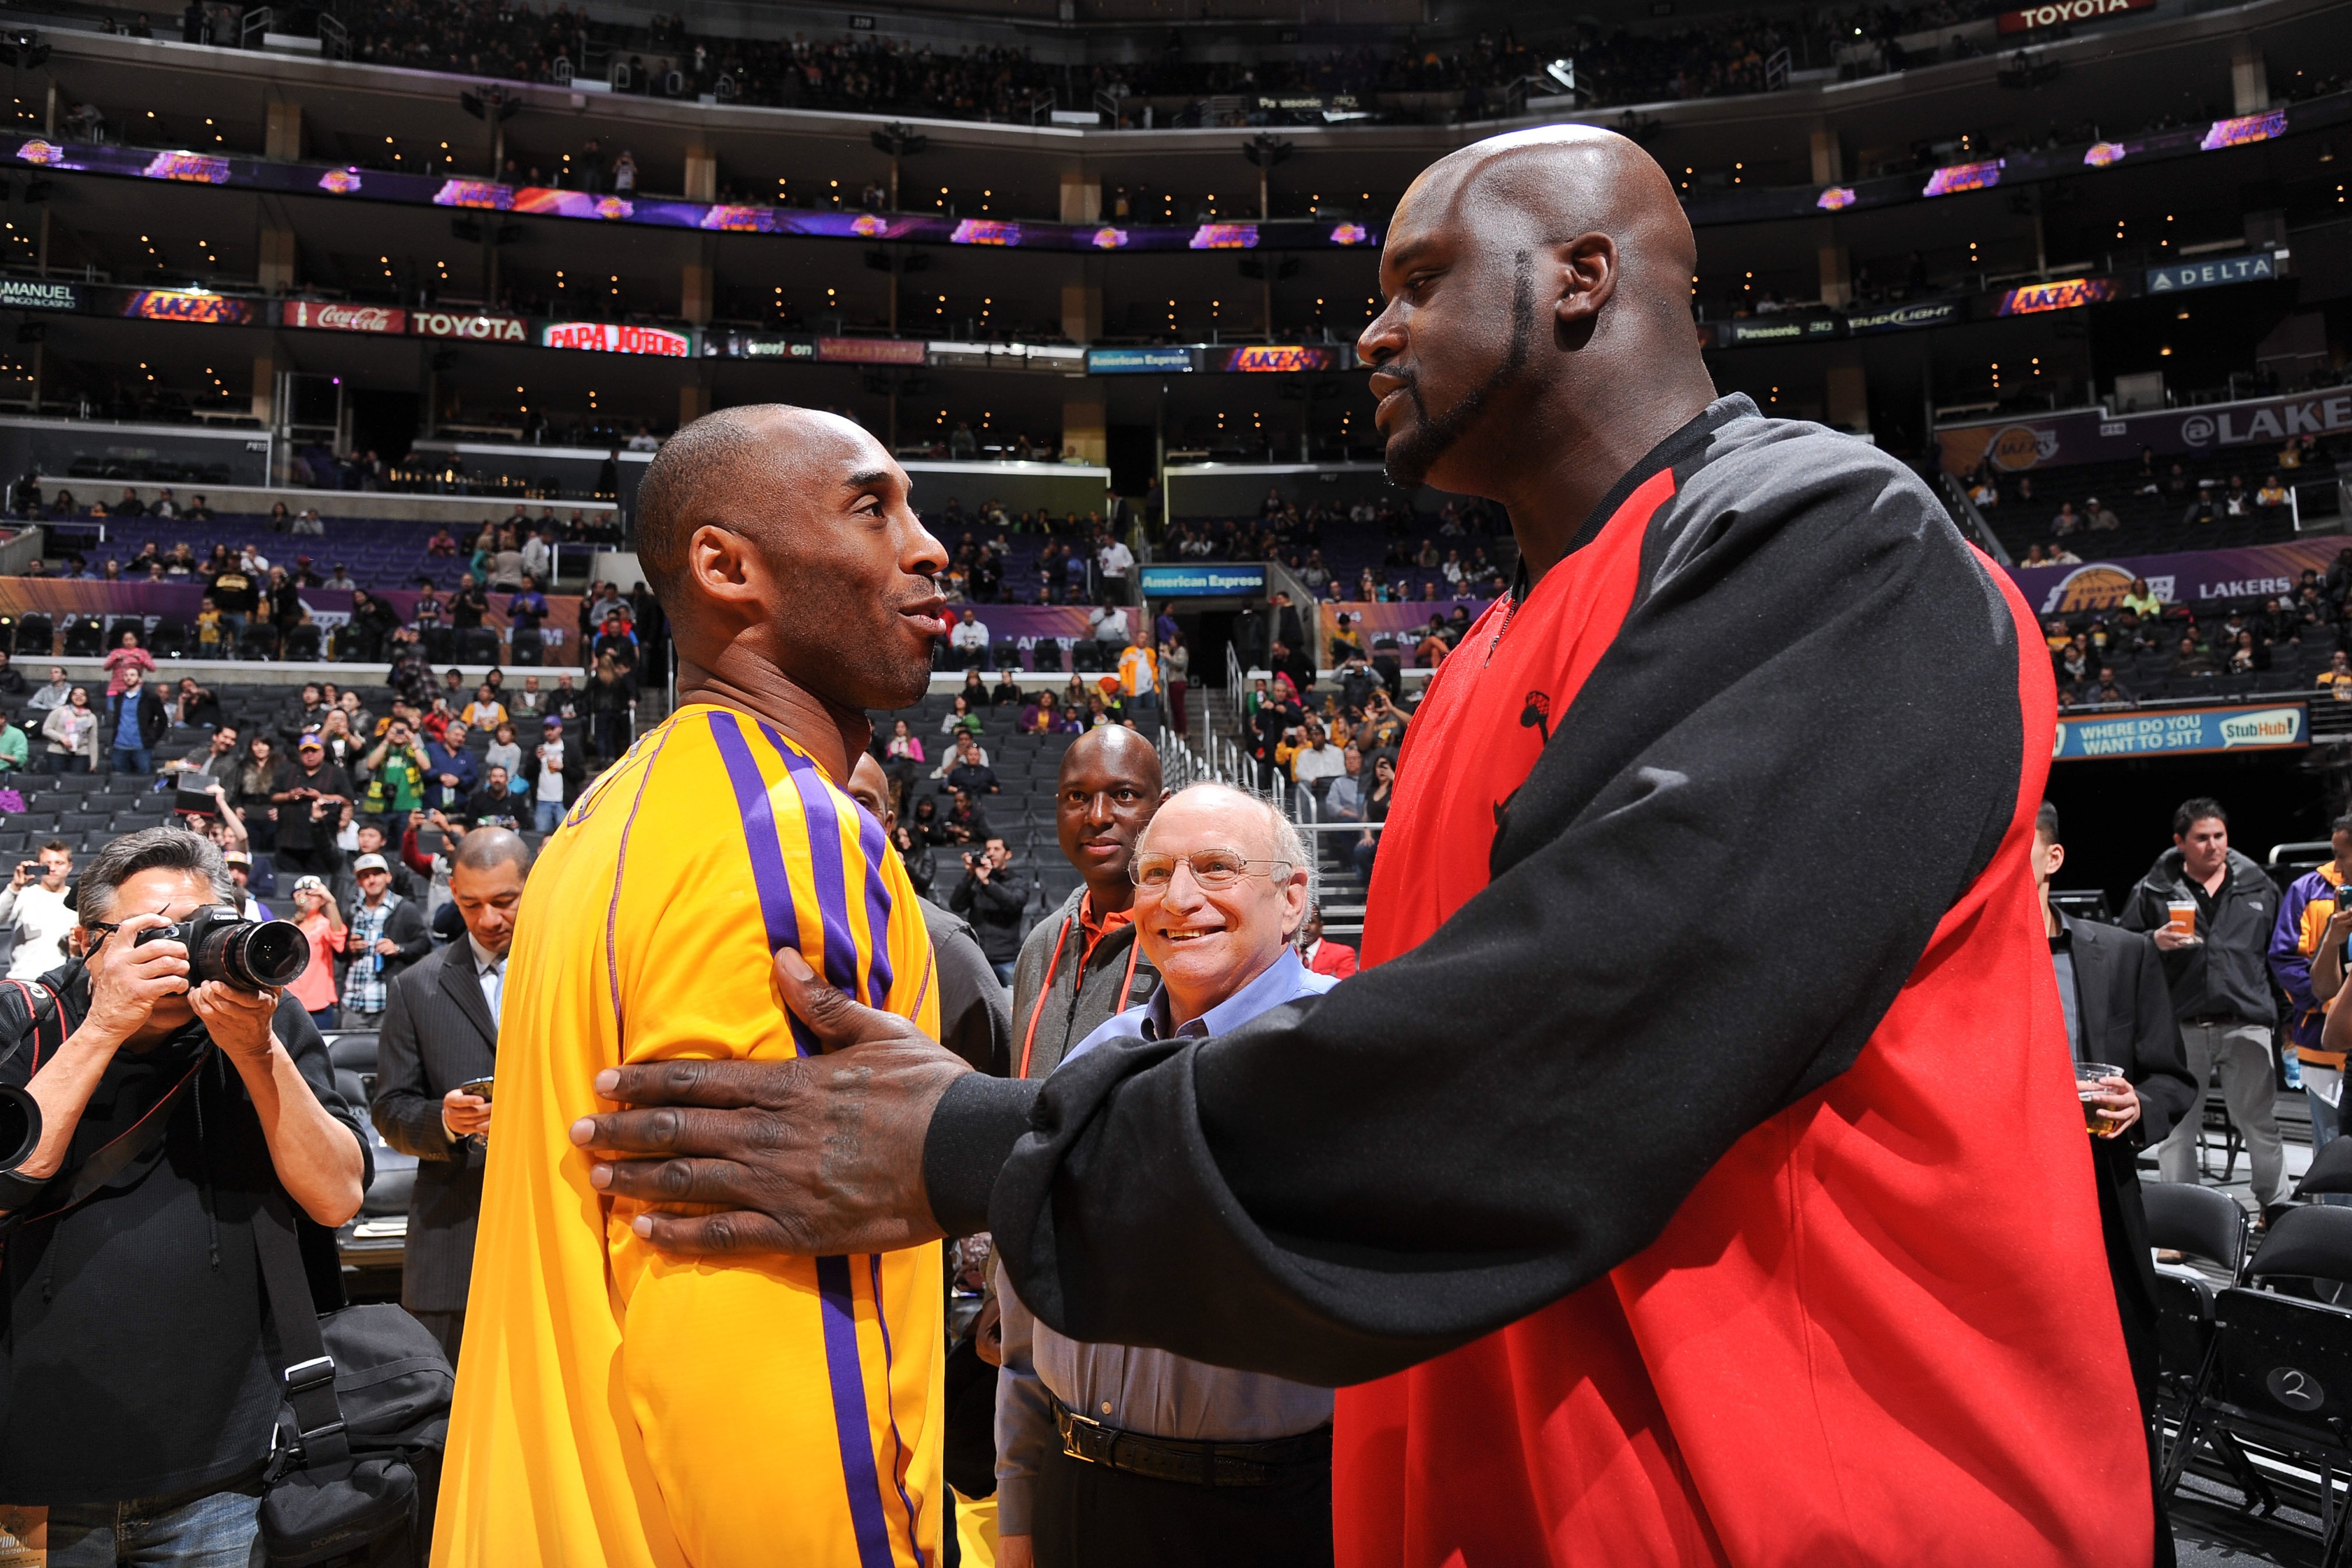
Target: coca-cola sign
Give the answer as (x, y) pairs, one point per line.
(346, 318)
(474, 327)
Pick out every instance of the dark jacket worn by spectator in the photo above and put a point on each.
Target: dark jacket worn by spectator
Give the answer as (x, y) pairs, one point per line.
(2226, 975)
(995, 909)
(2122, 1012)
(153, 722)
(437, 1033)
(138, 1361)
(973, 1022)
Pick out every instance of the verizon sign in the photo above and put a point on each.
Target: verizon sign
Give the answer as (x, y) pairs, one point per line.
(474, 328)
(615, 338)
(346, 318)
(2060, 12)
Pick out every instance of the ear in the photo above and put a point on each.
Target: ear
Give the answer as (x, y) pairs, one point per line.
(1586, 277)
(723, 567)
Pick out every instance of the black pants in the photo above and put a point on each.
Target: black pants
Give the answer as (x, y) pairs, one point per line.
(1091, 1516)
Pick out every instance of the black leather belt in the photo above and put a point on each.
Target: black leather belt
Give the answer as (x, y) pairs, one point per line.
(1199, 1464)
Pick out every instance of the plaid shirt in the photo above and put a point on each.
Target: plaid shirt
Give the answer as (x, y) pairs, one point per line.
(363, 986)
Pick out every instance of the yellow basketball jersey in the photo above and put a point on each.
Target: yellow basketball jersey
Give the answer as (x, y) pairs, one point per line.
(616, 1406)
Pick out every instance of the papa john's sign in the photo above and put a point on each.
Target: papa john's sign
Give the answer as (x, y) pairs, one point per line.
(615, 338)
(346, 318)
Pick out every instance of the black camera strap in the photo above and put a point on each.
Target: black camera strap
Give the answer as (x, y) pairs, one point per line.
(310, 1370)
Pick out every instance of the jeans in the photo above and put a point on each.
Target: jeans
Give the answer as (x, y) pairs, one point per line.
(1004, 971)
(2240, 1054)
(133, 760)
(55, 762)
(323, 1017)
(215, 1530)
(547, 816)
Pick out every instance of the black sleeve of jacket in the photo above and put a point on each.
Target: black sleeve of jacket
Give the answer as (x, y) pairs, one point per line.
(407, 928)
(1803, 746)
(406, 1109)
(2166, 1091)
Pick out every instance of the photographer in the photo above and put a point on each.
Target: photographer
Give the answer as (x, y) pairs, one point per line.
(993, 898)
(396, 772)
(138, 1365)
(33, 907)
(311, 798)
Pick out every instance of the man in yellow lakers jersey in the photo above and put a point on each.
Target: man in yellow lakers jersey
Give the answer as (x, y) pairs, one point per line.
(615, 1405)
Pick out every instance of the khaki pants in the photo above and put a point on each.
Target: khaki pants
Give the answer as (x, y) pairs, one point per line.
(2240, 1053)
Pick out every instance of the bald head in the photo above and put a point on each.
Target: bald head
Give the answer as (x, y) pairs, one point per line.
(710, 470)
(1109, 788)
(784, 553)
(1537, 286)
(485, 848)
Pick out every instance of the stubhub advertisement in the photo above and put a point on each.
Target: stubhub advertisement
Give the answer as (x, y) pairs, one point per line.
(2180, 733)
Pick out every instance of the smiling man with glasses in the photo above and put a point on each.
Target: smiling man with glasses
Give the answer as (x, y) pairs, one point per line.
(1107, 1453)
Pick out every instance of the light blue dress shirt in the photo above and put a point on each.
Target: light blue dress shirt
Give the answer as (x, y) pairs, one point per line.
(1148, 1391)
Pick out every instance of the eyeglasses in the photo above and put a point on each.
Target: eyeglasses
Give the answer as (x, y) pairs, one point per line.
(1215, 869)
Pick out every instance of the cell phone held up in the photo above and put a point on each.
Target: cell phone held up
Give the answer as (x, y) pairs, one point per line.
(193, 799)
(477, 1087)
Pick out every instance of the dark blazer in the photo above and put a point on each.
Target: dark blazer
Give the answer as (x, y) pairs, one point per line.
(153, 721)
(437, 1033)
(2128, 1020)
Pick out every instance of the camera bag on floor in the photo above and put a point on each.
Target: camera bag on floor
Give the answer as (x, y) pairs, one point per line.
(357, 1460)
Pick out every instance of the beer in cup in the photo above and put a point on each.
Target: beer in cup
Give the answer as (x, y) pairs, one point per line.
(2182, 920)
(2101, 1122)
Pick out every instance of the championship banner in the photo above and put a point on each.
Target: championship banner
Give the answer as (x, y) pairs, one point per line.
(345, 317)
(2094, 435)
(2196, 578)
(59, 599)
(2182, 733)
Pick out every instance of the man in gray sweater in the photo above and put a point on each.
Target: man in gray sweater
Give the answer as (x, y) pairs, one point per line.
(1080, 964)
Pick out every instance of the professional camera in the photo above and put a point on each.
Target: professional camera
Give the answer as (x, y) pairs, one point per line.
(20, 1127)
(252, 955)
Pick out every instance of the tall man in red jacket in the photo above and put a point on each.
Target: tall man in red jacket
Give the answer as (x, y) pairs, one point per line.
(1694, 1173)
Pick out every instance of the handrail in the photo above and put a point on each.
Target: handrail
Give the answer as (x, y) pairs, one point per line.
(1964, 512)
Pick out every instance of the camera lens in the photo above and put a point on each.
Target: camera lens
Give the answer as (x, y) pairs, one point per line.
(20, 1127)
(258, 957)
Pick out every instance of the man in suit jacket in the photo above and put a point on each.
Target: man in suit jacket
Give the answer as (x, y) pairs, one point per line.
(441, 1030)
(2119, 1011)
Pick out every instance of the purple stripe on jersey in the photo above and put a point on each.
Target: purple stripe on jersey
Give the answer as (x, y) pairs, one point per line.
(824, 865)
(897, 1444)
(851, 1434)
(766, 850)
(871, 844)
(620, 869)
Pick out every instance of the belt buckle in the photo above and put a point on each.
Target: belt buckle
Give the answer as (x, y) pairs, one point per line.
(1080, 1434)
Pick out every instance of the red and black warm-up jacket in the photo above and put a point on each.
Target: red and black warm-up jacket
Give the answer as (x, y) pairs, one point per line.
(1694, 1173)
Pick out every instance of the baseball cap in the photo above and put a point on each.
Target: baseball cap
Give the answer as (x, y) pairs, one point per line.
(237, 857)
(552, 722)
(310, 885)
(310, 743)
(370, 863)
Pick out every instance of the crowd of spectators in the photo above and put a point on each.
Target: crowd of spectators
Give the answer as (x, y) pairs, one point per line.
(877, 74)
